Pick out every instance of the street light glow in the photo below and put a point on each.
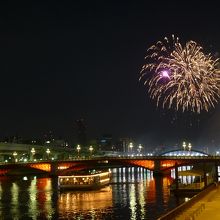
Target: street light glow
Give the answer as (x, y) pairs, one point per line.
(90, 149)
(131, 146)
(78, 148)
(189, 146)
(33, 151)
(184, 145)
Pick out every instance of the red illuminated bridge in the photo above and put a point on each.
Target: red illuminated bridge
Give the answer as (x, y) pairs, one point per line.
(157, 164)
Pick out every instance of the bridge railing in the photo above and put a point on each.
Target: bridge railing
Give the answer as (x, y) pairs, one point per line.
(214, 158)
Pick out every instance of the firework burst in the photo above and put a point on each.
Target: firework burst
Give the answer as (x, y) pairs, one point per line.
(180, 76)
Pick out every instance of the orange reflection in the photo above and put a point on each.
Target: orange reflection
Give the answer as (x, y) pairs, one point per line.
(152, 190)
(72, 201)
(41, 187)
(151, 195)
(166, 191)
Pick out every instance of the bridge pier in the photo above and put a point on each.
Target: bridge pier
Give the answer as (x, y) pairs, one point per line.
(157, 169)
(54, 169)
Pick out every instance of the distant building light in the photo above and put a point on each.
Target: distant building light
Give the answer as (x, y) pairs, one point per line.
(47, 142)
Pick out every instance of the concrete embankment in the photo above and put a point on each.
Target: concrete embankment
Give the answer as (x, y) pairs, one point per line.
(195, 207)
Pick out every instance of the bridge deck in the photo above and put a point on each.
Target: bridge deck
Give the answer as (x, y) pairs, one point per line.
(206, 208)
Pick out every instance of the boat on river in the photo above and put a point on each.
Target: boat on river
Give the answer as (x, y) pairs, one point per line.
(85, 180)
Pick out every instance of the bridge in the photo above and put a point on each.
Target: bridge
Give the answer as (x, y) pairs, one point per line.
(158, 164)
(59, 165)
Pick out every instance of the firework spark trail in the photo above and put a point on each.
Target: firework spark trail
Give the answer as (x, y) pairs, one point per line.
(181, 76)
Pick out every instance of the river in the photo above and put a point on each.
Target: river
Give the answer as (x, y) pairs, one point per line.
(133, 194)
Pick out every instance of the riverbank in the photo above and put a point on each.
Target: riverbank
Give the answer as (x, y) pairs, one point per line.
(194, 206)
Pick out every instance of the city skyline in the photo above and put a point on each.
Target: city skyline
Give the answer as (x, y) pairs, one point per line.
(66, 61)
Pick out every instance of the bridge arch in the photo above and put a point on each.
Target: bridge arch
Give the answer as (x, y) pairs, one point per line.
(181, 152)
(65, 167)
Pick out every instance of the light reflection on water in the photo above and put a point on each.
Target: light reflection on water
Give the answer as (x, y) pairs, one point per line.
(88, 203)
(133, 194)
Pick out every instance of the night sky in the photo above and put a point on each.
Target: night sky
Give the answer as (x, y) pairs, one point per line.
(61, 61)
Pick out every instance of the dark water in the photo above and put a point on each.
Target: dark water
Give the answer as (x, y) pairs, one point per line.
(133, 194)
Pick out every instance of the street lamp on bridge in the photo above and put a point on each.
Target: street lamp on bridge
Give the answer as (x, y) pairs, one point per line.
(189, 146)
(78, 148)
(131, 146)
(139, 148)
(33, 152)
(91, 149)
(48, 153)
(184, 145)
(15, 155)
